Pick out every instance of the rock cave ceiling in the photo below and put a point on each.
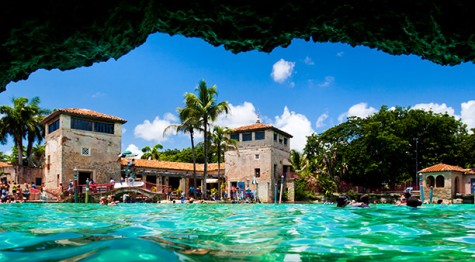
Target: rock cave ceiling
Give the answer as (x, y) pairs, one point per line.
(71, 34)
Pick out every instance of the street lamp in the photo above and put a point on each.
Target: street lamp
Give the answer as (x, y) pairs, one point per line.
(281, 188)
(421, 188)
(75, 185)
(417, 166)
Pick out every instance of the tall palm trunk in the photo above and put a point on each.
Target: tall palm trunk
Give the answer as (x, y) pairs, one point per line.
(219, 172)
(19, 145)
(205, 151)
(194, 161)
(29, 149)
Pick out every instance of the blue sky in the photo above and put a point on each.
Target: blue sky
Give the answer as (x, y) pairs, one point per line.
(304, 88)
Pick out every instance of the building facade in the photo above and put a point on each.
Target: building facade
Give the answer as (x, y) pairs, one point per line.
(261, 163)
(165, 176)
(82, 143)
(446, 181)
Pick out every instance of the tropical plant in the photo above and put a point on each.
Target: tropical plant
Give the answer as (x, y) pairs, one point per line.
(202, 110)
(22, 121)
(222, 141)
(189, 124)
(38, 155)
(151, 153)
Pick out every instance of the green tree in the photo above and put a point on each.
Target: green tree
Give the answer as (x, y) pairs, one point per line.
(382, 148)
(221, 141)
(38, 155)
(203, 109)
(22, 121)
(189, 124)
(152, 153)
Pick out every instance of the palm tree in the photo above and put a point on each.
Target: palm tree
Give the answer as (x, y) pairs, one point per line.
(22, 121)
(221, 141)
(38, 155)
(151, 153)
(35, 131)
(189, 124)
(204, 109)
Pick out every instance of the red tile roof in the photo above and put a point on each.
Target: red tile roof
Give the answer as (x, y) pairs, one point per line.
(255, 126)
(259, 126)
(83, 112)
(4, 164)
(171, 165)
(442, 167)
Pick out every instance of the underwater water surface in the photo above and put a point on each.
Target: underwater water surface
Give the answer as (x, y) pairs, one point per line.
(234, 232)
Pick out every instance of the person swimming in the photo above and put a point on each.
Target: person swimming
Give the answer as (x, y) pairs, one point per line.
(342, 201)
(413, 202)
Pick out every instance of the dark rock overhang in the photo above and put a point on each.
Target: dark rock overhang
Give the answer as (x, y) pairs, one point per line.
(70, 34)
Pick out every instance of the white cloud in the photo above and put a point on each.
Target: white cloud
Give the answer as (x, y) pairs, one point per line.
(340, 54)
(308, 61)
(239, 115)
(436, 108)
(468, 114)
(359, 110)
(98, 94)
(292, 84)
(135, 150)
(321, 119)
(153, 131)
(295, 124)
(282, 70)
(124, 130)
(329, 80)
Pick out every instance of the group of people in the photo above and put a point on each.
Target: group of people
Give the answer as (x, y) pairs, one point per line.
(109, 200)
(12, 192)
(406, 199)
(238, 194)
(343, 201)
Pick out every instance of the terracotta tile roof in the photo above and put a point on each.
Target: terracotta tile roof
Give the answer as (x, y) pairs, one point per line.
(259, 126)
(471, 171)
(4, 164)
(170, 165)
(255, 126)
(442, 167)
(83, 112)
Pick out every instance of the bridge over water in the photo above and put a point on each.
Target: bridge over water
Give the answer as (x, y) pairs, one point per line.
(94, 196)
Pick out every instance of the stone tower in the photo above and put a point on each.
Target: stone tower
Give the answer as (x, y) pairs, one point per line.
(261, 162)
(82, 142)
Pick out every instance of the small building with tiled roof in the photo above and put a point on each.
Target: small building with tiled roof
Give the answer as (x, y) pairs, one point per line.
(82, 143)
(447, 181)
(261, 163)
(170, 176)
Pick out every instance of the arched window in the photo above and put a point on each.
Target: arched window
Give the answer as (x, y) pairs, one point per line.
(439, 181)
(430, 181)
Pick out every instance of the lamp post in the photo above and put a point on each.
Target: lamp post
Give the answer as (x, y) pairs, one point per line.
(431, 193)
(75, 185)
(257, 191)
(281, 188)
(417, 166)
(87, 190)
(421, 188)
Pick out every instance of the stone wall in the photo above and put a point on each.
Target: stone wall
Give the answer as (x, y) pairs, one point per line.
(65, 152)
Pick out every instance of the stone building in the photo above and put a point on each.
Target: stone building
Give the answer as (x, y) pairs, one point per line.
(261, 162)
(81, 142)
(20, 174)
(168, 176)
(447, 181)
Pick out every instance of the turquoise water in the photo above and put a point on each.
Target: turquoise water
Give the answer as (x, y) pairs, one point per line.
(217, 232)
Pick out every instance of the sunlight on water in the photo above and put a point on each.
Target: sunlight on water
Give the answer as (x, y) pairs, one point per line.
(216, 232)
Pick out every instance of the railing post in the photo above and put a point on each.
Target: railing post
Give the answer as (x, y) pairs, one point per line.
(87, 190)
